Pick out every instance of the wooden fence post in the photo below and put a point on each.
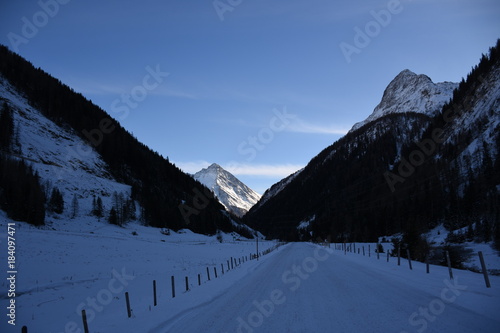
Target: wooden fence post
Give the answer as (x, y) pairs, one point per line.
(24, 329)
(378, 252)
(363, 250)
(215, 272)
(369, 251)
(485, 272)
(387, 255)
(222, 268)
(399, 255)
(85, 325)
(154, 293)
(208, 274)
(199, 279)
(232, 265)
(187, 283)
(173, 287)
(427, 266)
(228, 265)
(449, 265)
(409, 258)
(127, 299)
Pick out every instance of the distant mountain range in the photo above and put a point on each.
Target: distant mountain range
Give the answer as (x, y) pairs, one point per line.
(236, 197)
(427, 155)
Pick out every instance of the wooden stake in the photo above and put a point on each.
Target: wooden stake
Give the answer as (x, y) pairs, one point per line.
(129, 311)
(173, 287)
(449, 265)
(409, 259)
(85, 325)
(154, 293)
(485, 272)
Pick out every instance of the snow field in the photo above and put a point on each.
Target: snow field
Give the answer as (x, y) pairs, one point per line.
(89, 265)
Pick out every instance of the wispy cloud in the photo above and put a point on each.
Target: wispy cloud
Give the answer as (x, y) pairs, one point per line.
(244, 169)
(118, 88)
(301, 126)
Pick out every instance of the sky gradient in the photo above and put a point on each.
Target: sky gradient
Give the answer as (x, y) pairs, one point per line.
(259, 87)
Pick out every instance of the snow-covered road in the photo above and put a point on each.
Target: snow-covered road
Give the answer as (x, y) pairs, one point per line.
(307, 288)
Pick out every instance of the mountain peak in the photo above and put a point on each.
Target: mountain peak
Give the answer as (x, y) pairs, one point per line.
(231, 192)
(214, 166)
(410, 92)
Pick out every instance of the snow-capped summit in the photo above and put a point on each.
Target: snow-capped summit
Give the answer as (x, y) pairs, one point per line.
(409, 92)
(231, 192)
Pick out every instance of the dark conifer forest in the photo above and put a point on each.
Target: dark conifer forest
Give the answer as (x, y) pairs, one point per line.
(163, 190)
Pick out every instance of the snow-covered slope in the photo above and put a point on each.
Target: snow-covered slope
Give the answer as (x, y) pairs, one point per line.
(61, 158)
(231, 192)
(480, 121)
(409, 92)
(276, 188)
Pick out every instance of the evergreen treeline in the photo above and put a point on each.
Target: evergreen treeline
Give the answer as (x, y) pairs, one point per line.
(21, 195)
(345, 187)
(159, 186)
(6, 127)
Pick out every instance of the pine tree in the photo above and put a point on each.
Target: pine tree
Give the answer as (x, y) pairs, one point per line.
(56, 202)
(99, 208)
(6, 128)
(113, 216)
(74, 207)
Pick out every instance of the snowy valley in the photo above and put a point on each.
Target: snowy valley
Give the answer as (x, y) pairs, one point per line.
(141, 246)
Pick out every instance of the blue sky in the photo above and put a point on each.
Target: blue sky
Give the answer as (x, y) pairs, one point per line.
(259, 87)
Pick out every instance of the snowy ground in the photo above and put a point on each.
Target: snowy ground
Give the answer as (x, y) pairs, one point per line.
(298, 288)
(89, 265)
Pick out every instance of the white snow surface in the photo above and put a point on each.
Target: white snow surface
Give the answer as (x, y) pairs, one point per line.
(300, 287)
(60, 156)
(237, 197)
(409, 92)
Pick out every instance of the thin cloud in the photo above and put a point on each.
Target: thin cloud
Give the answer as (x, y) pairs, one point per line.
(300, 126)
